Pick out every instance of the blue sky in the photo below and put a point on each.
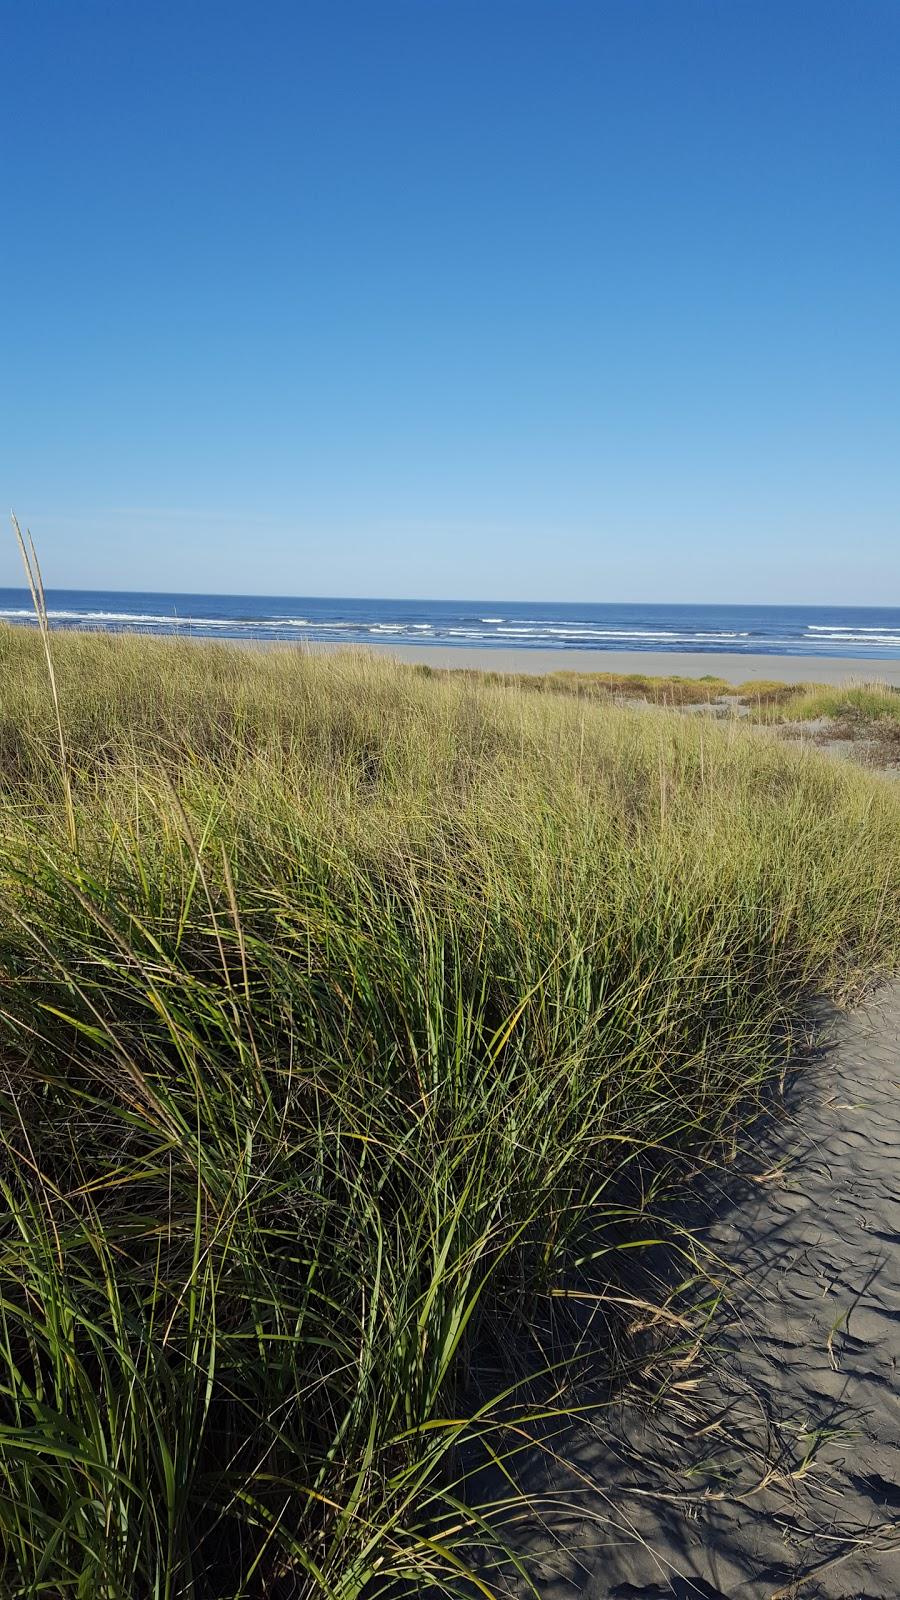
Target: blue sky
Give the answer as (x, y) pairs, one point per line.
(578, 299)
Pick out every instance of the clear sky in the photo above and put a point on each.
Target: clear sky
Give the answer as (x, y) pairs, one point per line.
(546, 299)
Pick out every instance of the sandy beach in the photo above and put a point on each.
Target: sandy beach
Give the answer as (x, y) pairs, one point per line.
(655, 663)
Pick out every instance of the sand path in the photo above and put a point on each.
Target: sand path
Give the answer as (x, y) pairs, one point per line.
(783, 1464)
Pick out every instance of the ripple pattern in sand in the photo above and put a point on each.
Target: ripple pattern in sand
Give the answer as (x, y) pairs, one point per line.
(778, 1475)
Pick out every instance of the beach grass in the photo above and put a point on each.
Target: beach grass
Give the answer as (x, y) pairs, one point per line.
(355, 1017)
(671, 690)
(853, 703)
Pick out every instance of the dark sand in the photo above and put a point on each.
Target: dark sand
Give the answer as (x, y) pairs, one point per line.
(773, 1470)
(734, 669)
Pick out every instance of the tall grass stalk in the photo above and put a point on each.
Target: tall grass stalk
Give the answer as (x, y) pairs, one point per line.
(36, 586)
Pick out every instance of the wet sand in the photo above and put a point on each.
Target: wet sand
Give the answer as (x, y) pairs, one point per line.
(733, 668)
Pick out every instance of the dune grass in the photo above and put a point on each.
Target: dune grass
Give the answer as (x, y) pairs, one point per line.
(366, 1013)
(668, 691)
(768, 692)
(854, 703)
(863, 717)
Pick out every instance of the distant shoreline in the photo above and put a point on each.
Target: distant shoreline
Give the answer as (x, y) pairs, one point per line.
(652, 663)
(731, 666)
(504, 628)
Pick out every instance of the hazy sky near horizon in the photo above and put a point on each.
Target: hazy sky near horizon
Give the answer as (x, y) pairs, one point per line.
(549, 299)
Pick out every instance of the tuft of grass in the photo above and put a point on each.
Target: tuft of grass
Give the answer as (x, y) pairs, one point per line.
(854, 703)
(768, 692)
(372, 1002)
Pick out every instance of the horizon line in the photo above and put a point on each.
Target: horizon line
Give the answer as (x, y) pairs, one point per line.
(247, 594)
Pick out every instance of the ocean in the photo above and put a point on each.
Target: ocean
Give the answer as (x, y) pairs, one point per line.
(485, 624)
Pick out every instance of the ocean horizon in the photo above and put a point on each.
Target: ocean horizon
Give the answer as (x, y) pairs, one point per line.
(863, 632)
